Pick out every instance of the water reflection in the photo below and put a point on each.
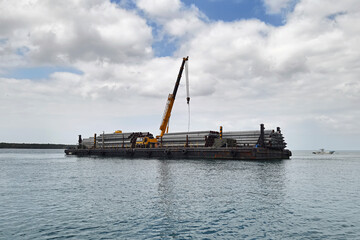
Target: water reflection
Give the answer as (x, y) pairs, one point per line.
(211, 193)
(165, 187)
(166, 204)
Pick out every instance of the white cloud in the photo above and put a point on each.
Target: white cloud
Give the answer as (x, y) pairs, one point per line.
(7, 56)
(177, 19)
(160, 8)
(302, 76)
(68, 31)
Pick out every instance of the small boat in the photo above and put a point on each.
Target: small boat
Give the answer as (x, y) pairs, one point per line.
(322, 151)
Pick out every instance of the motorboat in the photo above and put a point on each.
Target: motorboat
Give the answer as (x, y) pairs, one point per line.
(322, 151)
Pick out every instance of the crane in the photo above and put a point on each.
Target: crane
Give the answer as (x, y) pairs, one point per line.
(164, 127)
(150, 142)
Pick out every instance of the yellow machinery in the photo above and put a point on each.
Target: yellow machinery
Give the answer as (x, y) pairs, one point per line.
(146, 142)
(164, 127)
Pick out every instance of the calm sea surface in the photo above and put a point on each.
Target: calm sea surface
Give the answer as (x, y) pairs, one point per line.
(46, 195)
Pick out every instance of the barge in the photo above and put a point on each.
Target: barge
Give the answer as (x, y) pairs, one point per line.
(240, 145)
(236, 145)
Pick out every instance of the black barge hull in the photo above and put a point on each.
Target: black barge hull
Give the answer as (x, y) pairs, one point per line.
(186, 153)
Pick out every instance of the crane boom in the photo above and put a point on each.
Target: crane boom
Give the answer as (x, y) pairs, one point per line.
(171, 100)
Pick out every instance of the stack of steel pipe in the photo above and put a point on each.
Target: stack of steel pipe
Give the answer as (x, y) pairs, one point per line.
(277, 140)
(88, 142)
(114, 140)
(191, 139)
(246, 138)
(272, 139)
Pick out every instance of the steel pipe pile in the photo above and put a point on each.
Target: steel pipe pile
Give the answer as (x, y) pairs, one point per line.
(277, 140)
(190, 139)
(115, 136)
(272, 138)
(115, 140)
(88, 142)
(118, 140)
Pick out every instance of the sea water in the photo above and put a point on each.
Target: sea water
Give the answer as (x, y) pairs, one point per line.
(47, 195)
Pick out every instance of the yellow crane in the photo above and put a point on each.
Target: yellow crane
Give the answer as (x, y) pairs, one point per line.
(147, 142)
(164, 127)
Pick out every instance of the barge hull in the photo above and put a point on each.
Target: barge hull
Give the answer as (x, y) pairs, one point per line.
(186, 153)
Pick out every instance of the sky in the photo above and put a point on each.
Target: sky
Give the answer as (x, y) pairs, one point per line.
(86, 66)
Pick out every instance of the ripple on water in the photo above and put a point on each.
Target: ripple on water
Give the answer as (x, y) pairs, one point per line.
(45, 195)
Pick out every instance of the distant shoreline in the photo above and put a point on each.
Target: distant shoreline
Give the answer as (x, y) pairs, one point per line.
(34, 145)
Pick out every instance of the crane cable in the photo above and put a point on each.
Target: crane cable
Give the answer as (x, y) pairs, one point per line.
(187, 91)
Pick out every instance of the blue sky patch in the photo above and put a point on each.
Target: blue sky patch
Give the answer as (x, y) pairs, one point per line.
(38, 72)
(125, 4)
(164, 47)
(22, 51)
(335, 15)
(3, 40)
(233, 10)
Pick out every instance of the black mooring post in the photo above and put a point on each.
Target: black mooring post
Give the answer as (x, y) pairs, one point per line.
(80, 141)
(94, 140)
(261, 140)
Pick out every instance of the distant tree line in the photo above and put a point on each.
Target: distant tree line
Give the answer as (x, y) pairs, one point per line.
(34, 145)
